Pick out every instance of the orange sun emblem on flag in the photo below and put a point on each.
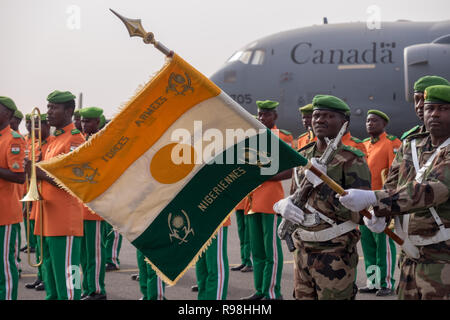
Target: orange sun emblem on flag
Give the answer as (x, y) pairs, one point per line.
(172, 163)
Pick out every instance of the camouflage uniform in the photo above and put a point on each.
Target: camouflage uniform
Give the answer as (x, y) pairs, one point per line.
(429, 276)
(415, 130)
(327, 270)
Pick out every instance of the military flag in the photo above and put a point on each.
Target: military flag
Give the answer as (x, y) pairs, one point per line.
(169, 168)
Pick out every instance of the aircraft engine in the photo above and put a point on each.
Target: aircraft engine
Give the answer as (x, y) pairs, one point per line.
(426, 59)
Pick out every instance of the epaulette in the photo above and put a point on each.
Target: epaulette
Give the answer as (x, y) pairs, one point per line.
(417, 135)
(410, 131)
(358, 152)
(391, 137)
(356, 140)
(302, 135)
(75, 131)
(307, 146)
(285, 132)
(366, 139)
(16, 135)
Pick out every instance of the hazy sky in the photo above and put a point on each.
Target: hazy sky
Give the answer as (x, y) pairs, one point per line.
(79, 45)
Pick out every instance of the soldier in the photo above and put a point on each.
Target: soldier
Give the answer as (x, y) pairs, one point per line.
(263, 222)
(378, 249)
(38, 284)
(62, 213)
(93, 252)
(212, 268)
(419, 87)
(326, 234)
(77, 120)
(113, 243)
(12, 155)
(351, 141)
(16, 120)
(418, 188)
(151, 286)
(244, 239)
(308, 136)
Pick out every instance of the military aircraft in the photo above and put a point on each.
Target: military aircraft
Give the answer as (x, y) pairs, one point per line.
(366, 67)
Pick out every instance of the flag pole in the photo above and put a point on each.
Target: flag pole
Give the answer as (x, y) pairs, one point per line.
(135, 29)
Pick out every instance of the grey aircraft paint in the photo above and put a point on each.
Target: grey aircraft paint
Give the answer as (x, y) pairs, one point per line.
(366, 68)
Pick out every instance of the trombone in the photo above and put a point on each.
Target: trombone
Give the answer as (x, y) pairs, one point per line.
(33, 194)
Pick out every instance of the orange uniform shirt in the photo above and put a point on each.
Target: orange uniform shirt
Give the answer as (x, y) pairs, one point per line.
(380, 154)
(264, 197)
(63, 213)
(45, 143)
(348, 140)
(12, 154)
(305, 139)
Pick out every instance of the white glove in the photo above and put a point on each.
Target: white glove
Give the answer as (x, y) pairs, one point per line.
(356, 200)
(311, 177)
(289, 211)
(375, 224)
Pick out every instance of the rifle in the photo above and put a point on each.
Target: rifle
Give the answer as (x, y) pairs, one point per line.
(304, 190)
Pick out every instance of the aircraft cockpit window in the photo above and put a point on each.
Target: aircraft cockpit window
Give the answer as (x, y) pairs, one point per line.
(258, 57)
(243, 56)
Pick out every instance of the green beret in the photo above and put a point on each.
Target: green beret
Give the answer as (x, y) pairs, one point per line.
(60, 97)
(379, 113)
(43, 117)
(76, 113)
(28, 116)
(428, 81)
(308, 109)
(18, 114)
(437, 94)
(91, 112)
(327, 102)
(8, 103)
(267, 105)
(102, 121)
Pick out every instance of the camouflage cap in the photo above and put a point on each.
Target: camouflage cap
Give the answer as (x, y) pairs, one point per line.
(60, 96)
(91, 112)
(308, 109)
(267, 105)
(379, 113)
(8, 103)
(18, 114)
(328, 102)
(437, 94)
(427, 81)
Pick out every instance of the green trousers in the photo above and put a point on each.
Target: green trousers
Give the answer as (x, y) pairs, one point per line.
(9, 273)
(93, 257)
(244, 237)
(113, 244)
(267, 254)
(212, 269)
(379, 258)
(62, 275)
(152, 287)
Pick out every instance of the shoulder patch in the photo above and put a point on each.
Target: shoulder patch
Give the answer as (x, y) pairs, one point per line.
(285, 132)
(409, 132)
(366, 139)
(416, 135)
(16, 135)
(75, 131)
(391, 137)
(356, 140)
(358, 152)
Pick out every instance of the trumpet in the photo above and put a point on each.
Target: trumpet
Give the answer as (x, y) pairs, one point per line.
(33, 194)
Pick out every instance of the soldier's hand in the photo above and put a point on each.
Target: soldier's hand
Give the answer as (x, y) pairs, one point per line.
(311, 177)
(288, 210)
(356, 200)
(375, 224)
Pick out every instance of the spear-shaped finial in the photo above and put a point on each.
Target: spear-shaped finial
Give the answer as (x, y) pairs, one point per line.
(135, 29)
